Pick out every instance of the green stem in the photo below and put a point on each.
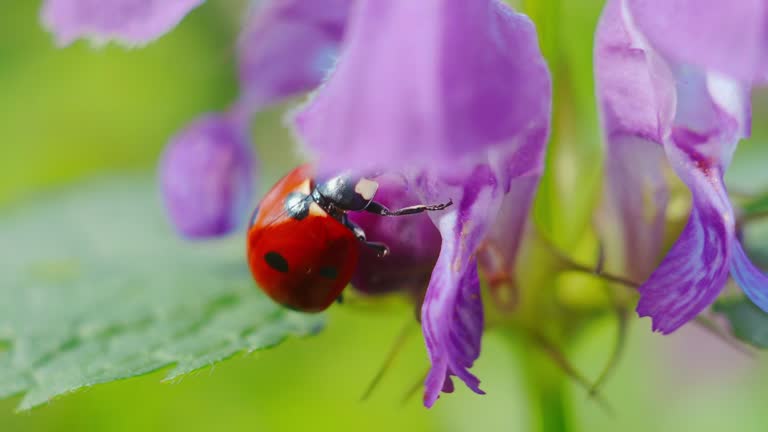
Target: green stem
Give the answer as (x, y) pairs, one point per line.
(547, 393)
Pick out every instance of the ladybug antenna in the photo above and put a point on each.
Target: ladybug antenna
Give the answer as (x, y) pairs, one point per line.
(394, 350)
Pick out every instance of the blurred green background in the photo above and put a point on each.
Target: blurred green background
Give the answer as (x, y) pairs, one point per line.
(67, 115)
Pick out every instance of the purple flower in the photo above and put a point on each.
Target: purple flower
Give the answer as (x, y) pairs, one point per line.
(413, 241)
(288, 47)
(455, 96)
(206, 175)
(131, 22)
(674, 80)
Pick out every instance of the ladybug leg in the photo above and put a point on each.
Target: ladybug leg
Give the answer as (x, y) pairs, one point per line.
(381, 210)
(380, 248)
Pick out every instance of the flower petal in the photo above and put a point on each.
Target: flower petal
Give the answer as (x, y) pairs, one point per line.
(288, 47)
(636, 199)
(751, 280)
(413, 241)
(461, 92)
(711, 116)
(452, 314)
(457, 77)
(696, 268)
(131, 22)
(724, 36)
(206, 175)
(635, 93)
(699, 115)
(522, 168)
(498, 254)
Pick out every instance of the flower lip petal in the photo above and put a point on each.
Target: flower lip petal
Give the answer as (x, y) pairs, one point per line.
(130, 22)
(752, 281)
(452, 313)
(692, 274)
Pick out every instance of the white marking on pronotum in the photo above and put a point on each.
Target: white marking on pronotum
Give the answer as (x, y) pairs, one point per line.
(366, 188)
(316, 210)
(304, 187)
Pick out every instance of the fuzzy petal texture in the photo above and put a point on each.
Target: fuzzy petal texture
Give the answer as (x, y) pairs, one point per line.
(288, 47)
(729, 37)
(413, 241)
(206, 176)
(472, 68)
(130, 22)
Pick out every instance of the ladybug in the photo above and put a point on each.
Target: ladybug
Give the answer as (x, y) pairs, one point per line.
(302, 247)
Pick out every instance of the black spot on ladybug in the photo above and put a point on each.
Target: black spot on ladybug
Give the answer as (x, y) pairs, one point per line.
(328, 272)
(276, 261)
(297, 205)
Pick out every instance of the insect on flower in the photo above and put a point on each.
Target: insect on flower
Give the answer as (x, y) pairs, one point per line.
(302, 247)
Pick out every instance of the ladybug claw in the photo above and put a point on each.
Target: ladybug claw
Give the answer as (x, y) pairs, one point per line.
(381, 249)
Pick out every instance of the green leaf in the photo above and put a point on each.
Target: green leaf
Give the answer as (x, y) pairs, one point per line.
(749, 322)
(755, 207)
(95, 287)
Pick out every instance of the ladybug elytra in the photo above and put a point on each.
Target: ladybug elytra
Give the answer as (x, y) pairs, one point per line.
(302, 247)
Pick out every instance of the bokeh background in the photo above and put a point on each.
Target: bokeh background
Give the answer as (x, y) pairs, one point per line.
(67, 115)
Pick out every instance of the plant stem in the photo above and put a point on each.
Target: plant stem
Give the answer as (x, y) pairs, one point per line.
(546, 389)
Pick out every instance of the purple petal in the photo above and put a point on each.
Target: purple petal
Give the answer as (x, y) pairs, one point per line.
(710, 118)
(751, 280)
(636, 97)
(206, 175)
(499, 251)
(131, 22)
(413, 241)
(730, 37)
(636, 200)
(453, 350)
(635, 89)
(498, 254)
(459, 90)
(288, 47)
(696, 268)
(452, 313)
(679, 100)
(456, 77)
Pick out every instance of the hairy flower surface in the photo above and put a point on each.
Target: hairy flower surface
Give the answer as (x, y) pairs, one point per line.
(131, 22)
(662, 88)
(288, 47)
(455, 96)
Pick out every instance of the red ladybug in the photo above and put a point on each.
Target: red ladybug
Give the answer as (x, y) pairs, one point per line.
(302, 248)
